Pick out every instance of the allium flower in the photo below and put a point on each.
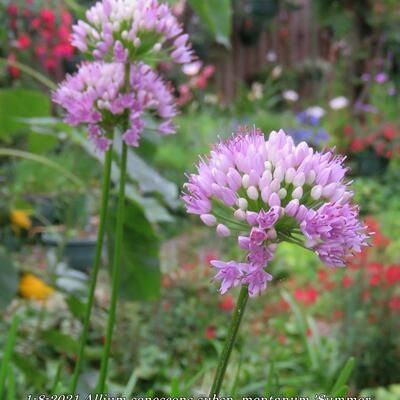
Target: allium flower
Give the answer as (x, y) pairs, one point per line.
(127, 30)
(96, 95)
(268, 191)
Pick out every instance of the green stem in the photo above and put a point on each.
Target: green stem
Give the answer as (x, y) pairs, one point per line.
(93, 279)
(115, 271)
(8, 351)
(230, 341)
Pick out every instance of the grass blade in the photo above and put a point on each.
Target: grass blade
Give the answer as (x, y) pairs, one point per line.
(8, 350)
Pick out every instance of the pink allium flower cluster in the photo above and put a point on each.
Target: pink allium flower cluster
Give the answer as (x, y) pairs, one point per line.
(269, 191)
(131, 30)
(97, 95)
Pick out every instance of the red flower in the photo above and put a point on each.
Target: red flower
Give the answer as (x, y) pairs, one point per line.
(338, 314)
(24, 41)
(211, 332)
(284, 304)
(392, 274)
(40, 51)
(48, 17)
(208, 71)
(14, 71)
(348, 131)
(282, 339)
(370, 139)
(328, 285)
(380, 148)
(389, 153)
(394, 303)
(63, 33)
(166, 306)
(389, 132)
(66, 17)
(35, 24)
(227, 303)
(375, 280)
(12, 10)
(307, 296)
(322, 276)
(50, 63)
(347, 281)
(357, 145)
(201, 82)
(188, 266)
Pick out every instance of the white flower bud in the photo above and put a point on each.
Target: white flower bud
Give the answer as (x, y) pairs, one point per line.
(252, 192)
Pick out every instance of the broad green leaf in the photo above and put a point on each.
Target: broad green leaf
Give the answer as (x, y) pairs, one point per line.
(140, 270)
(20, 103)
(8, 280)
(60, 341)
(217, 16)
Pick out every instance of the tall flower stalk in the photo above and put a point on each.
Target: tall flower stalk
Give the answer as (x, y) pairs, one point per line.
(230, 341)
(105, 194)
(116, 91)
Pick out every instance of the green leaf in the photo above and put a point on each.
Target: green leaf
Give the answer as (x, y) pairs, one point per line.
(217, 16)
(20, 103)
(149, 180)
(8, 352)
(26, 364)
(343, 377)
(60, 341)
(8, 280)
(140, 270)
(76, 307)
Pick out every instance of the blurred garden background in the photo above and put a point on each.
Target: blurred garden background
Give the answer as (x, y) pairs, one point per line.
(325, 71)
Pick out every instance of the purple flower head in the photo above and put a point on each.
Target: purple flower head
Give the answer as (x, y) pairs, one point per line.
(381, 78)
(269, 190)
(97, 95)
(127, 30)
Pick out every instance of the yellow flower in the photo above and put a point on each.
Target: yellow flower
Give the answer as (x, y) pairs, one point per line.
(20, 219)
(33, 288)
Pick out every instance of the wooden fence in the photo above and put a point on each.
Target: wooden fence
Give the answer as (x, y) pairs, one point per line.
(294, 39)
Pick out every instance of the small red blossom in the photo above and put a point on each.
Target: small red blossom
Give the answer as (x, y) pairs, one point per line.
(380, 149)
(14, 71)
(24, 41)
(227, 303)
(375, 280)
(389, 132)
(307, 296)
(35, 24)
(338, 314)
(12, 10)
(392, 274)
(211, 332)
(347, 281)
(357, 145)
(40, 51)
(188, 266)
(50, 63)
(282, 339)
(348, 131)
(394, 303)
(48, 17)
